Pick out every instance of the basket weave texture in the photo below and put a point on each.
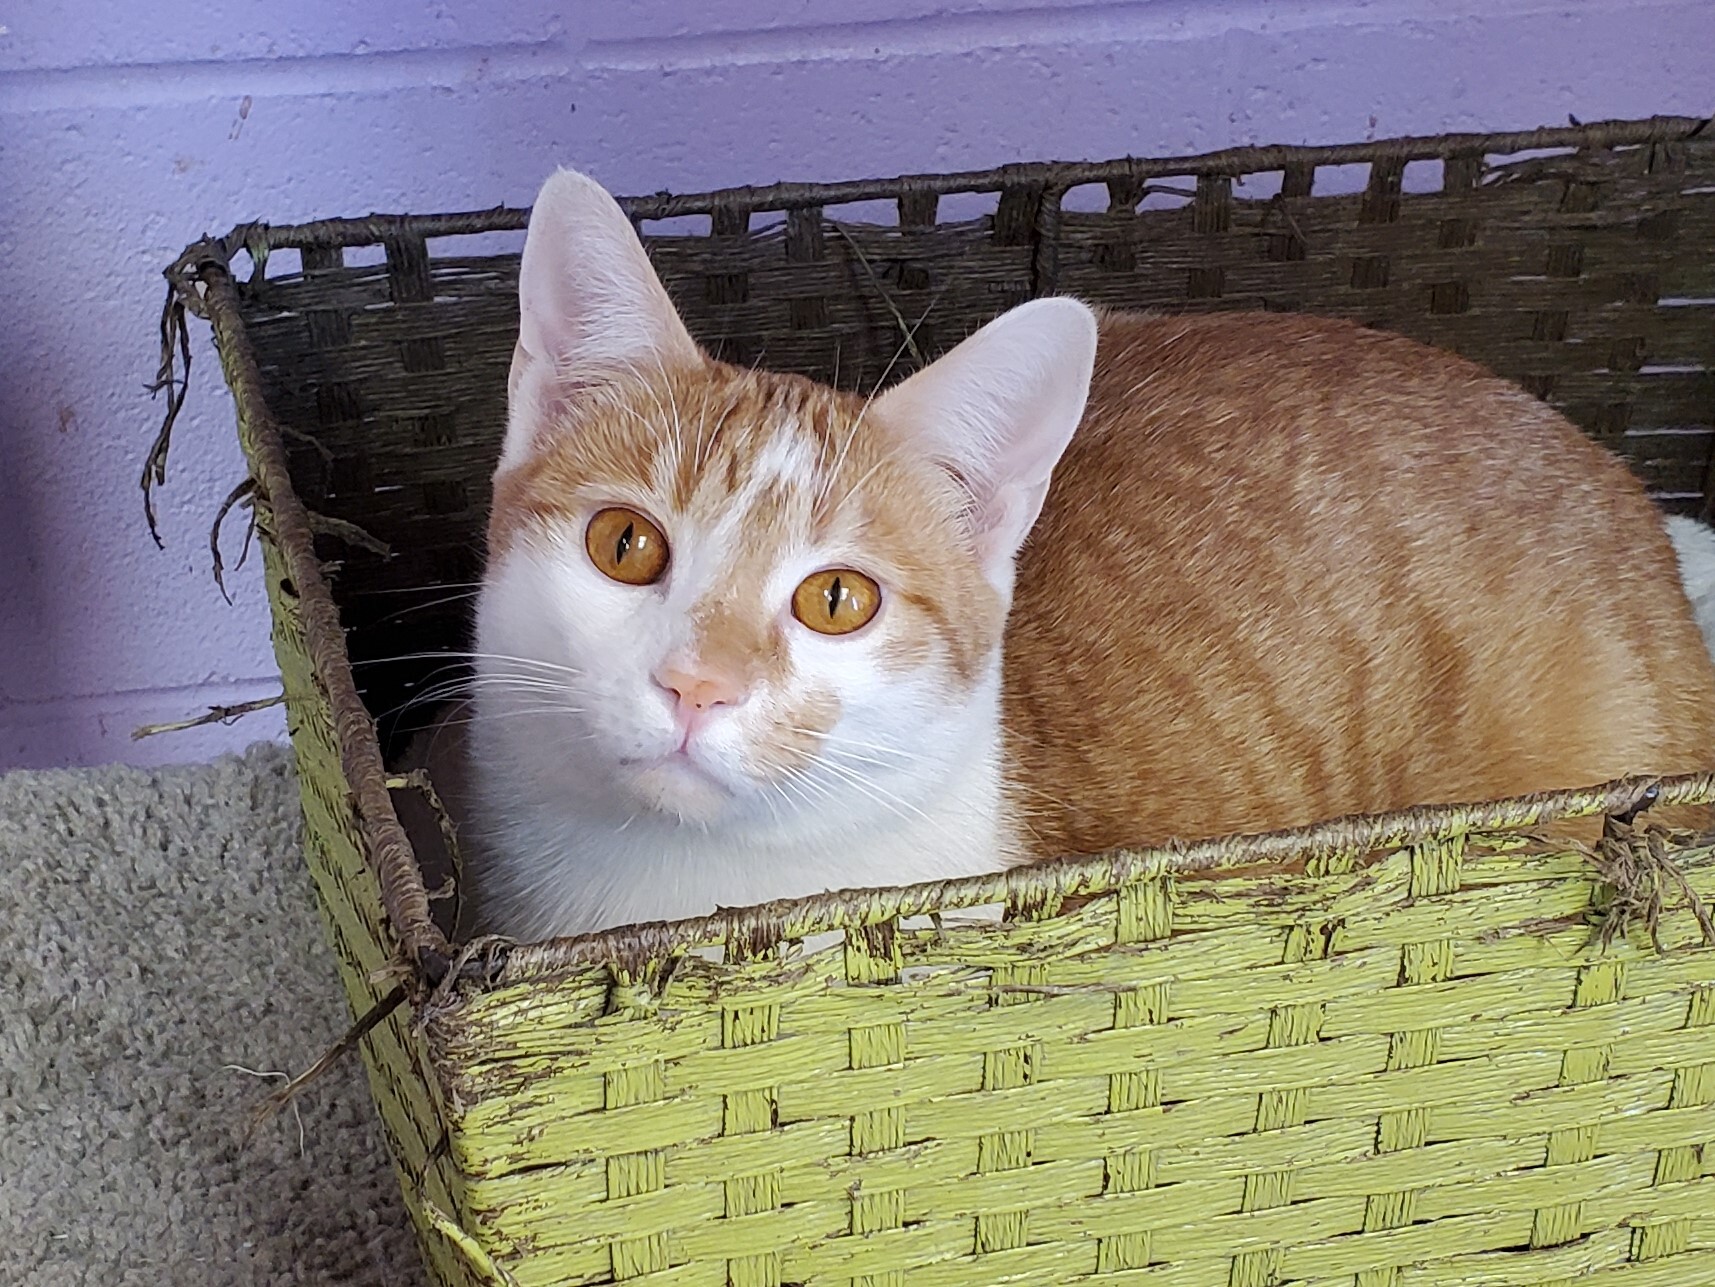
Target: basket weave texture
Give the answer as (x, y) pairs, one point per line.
(1386, 1052)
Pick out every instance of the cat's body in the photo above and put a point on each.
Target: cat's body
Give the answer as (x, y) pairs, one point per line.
(1340, 573)
(1287, 569)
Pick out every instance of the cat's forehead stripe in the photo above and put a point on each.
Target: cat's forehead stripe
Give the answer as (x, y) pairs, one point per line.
(788, 457)
(736, 437)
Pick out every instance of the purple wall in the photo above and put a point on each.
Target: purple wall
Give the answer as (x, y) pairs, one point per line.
(127, 128)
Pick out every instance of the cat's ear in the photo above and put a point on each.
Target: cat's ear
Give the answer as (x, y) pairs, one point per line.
(590, 306)
(998, 411)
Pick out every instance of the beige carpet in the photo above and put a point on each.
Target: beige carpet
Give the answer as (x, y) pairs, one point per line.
(157, 934)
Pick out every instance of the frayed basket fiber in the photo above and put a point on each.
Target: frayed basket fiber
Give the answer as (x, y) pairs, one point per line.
(1412, 1051)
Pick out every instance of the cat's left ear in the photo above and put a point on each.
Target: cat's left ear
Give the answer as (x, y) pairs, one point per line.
(998, 410)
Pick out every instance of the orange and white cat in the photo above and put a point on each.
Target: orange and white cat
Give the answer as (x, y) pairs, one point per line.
(1087, 580)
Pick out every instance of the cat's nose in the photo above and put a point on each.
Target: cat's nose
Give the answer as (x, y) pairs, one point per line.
(698, 691)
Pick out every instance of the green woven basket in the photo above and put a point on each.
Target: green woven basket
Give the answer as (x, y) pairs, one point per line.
(1422, 1049)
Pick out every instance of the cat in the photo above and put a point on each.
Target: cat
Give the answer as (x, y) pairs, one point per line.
(1090, 579)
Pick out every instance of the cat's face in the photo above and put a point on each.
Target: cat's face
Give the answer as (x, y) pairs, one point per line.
(754, 592)
(727, 596)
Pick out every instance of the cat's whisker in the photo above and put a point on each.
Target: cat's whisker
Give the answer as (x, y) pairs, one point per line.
(432, 603)
(665, 427)
(462, 654)
(808, 787)
(774, 788)
(857, 424)
(868, 474)
(555, 667)
(501, 695)
(852, 757)
(448, 655)
(468, 684)
(492, 717)
(420, 699)
(707, 450)
(418, 588)
(509, 683)
(635, 415)
(802, 792)
(887, 799)
(699, 438)
(439, 728)
(502, 677)
(828, 475)
(831, 739)
(797, 801)
(465, 687)
(677, 423)
(436, 691)
(452, 656)
(472, 717)
(851, 776)
(521, 675)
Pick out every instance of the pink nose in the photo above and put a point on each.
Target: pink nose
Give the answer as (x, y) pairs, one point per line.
(698, 691)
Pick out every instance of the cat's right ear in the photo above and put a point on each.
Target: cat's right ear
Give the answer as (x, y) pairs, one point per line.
(590, 307)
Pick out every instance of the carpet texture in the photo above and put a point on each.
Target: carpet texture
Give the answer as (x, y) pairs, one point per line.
(156, 934)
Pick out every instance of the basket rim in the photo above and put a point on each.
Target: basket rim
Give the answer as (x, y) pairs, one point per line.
(377, 227)
(201, 282)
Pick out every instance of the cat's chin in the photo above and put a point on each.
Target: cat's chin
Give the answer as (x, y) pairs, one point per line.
(674, 785)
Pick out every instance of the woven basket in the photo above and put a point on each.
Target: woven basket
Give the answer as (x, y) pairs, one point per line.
(1421, 1049)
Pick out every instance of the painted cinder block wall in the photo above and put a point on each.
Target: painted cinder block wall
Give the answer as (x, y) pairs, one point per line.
(128, 127)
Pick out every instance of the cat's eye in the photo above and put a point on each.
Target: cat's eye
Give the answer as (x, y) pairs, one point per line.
(626, 546)
(836, 602)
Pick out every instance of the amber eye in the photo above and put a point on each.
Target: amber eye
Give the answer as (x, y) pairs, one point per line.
(836, 602)
(626, 546)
